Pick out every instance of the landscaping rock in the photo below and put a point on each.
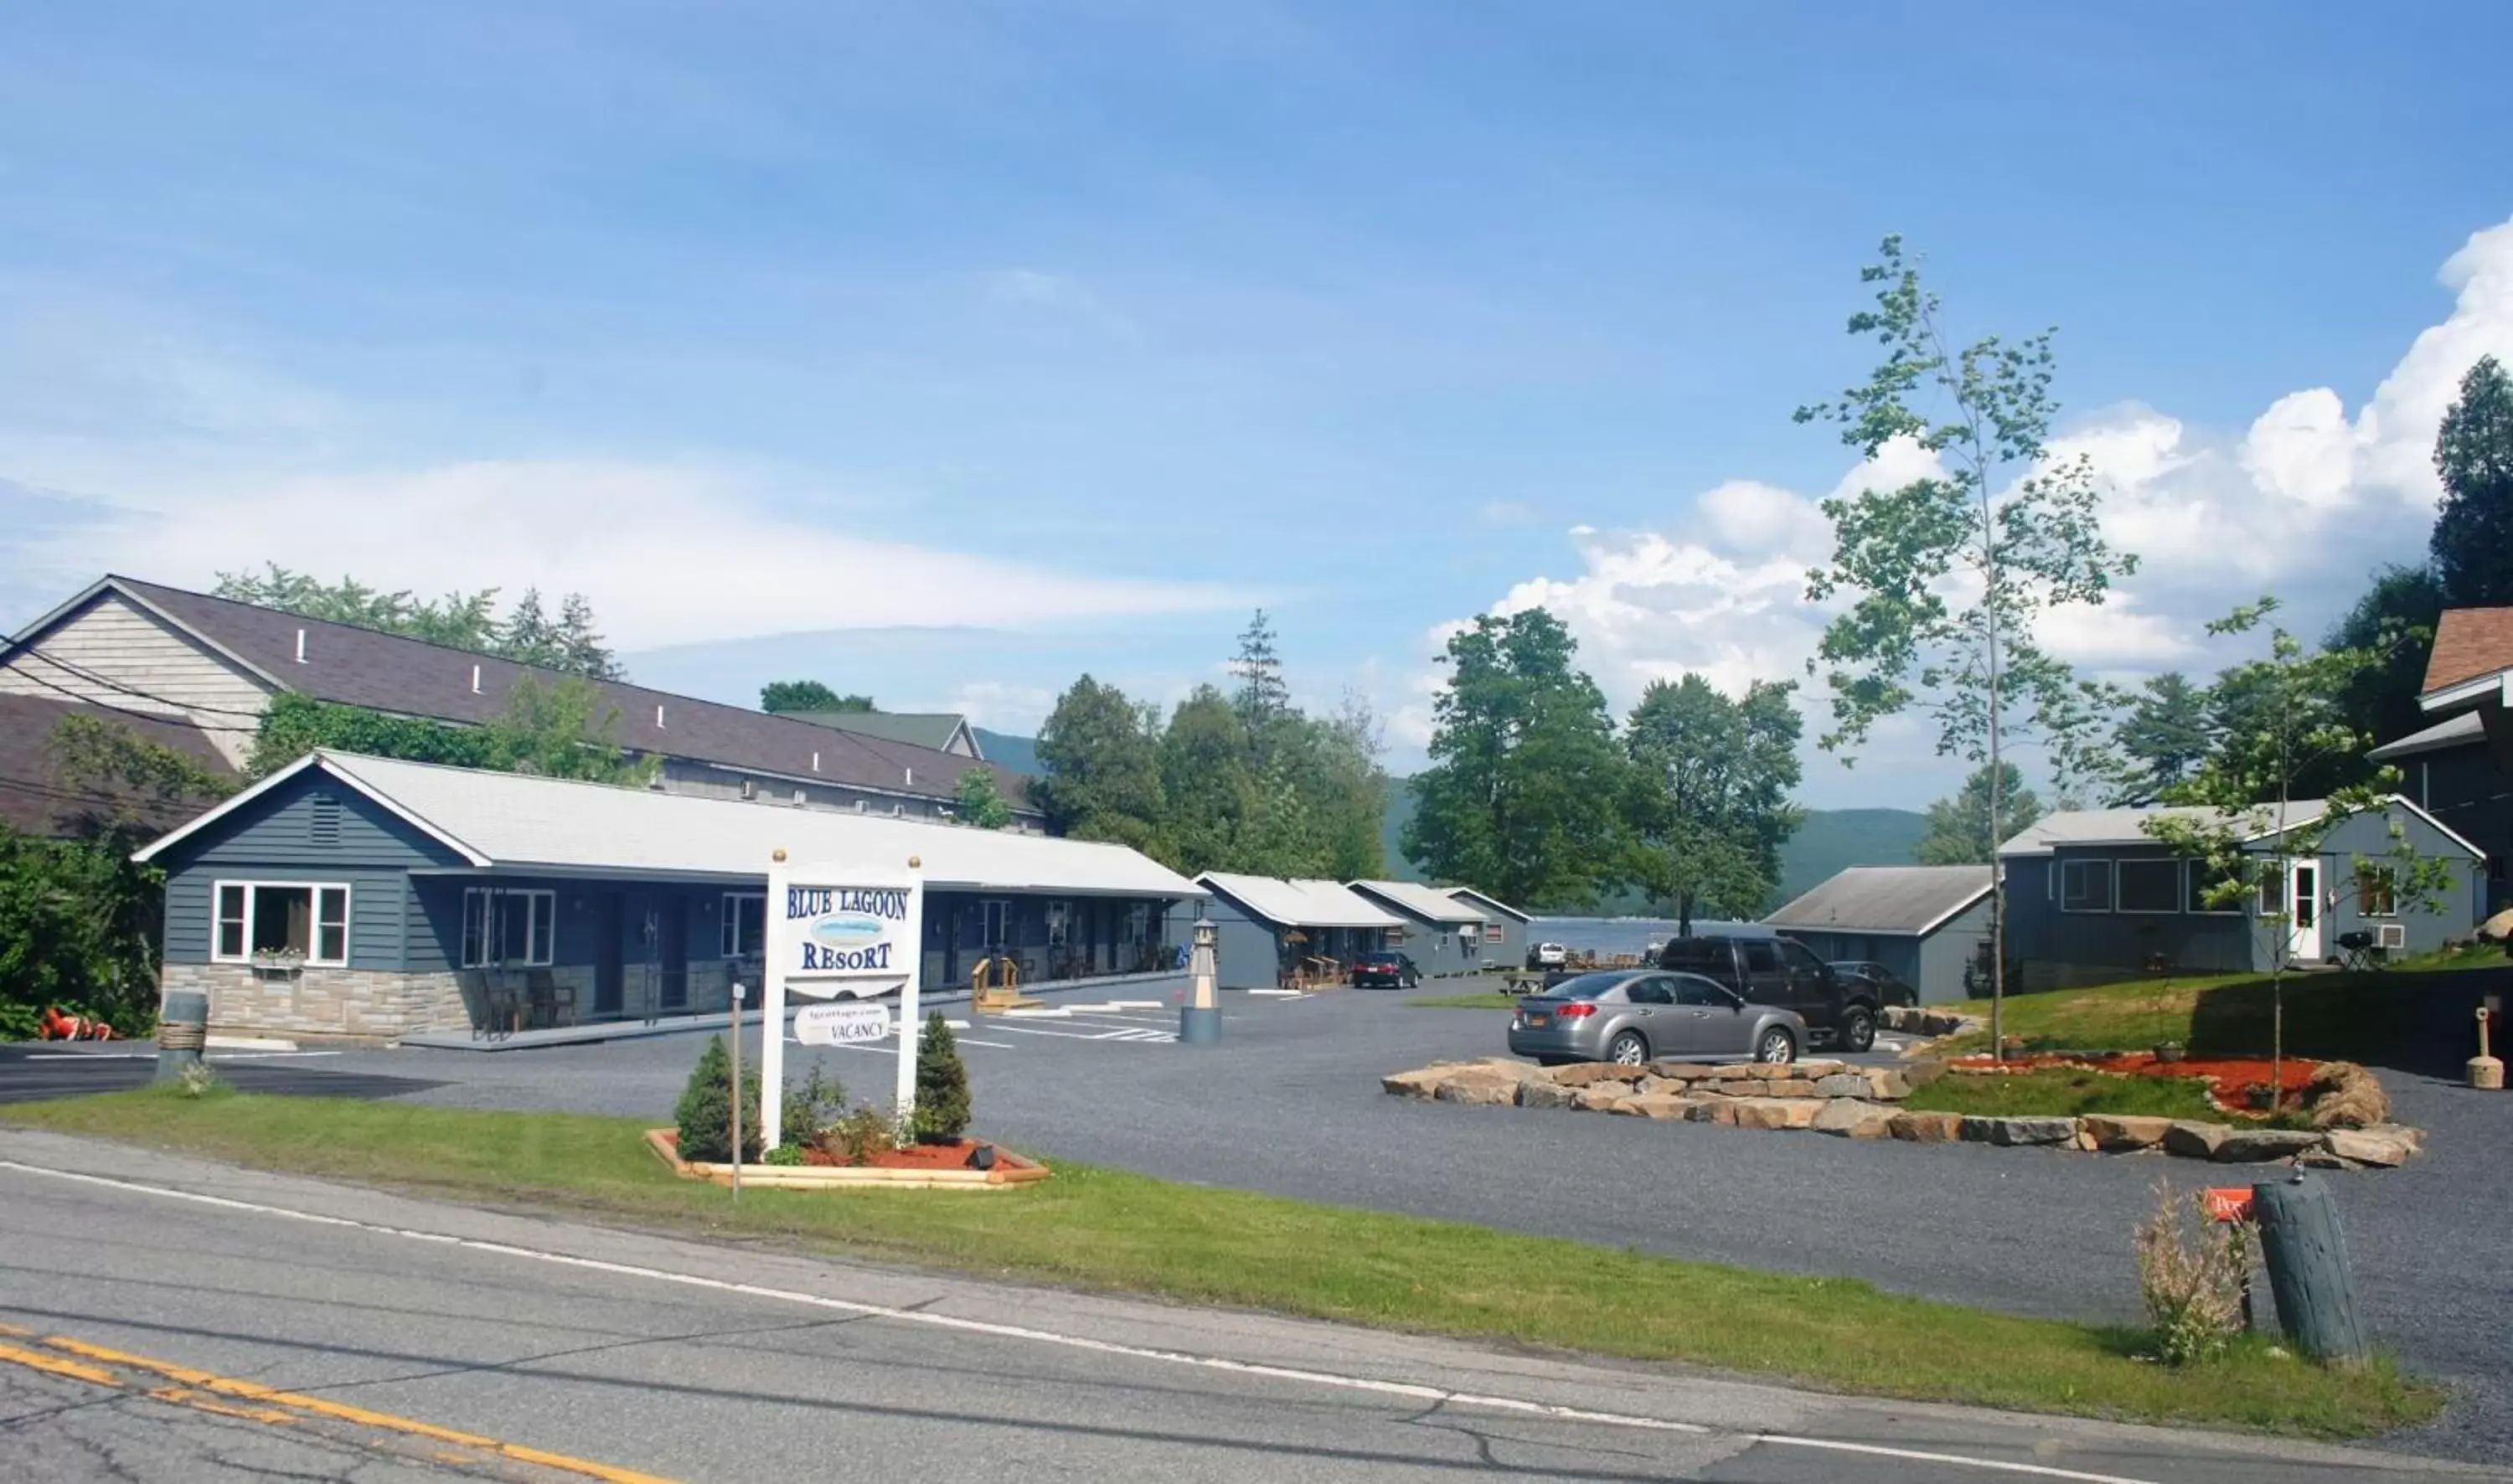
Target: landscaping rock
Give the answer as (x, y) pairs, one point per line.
(2344, 1095)
(1666, 1107)
(2387, 1145)
(1601, 1097)
(1913, 1127)
(2012, 1132)
(1789, 1088)
(1660, 1084)
(1852, 1119)
(1886, 1084)
(1815, 1068)
(1738, 1071)
(2254, 1146)
(1480, 1087)
(1841, 1085)
(1778, 1113)
(1715, 1109)
(1534, 1093)
(2194, 1141)
(1682, 1072)
(1415, 1084)
(1588, 1073)
(2126, 1131)
(2084, 1140)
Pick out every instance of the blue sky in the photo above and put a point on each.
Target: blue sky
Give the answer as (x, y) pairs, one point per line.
(948, 350)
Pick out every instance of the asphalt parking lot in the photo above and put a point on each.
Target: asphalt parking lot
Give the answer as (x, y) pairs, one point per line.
(1288, 1102)
(28, 1072)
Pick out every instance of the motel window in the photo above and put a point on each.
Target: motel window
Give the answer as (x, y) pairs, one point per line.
(2085, 886)
(1139, 923)
(1058, 913)
(507, 927)
(745, 927)
(2208, 894)
(2150, 886)
(254, 919)
(991, 917)
(2272, 893)
(2376, 892)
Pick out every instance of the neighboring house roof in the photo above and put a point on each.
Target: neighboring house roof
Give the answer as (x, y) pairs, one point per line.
(409, 677)
(2123, 826)
(1428, 903)
(1899, 900)
(937, 729)
(2469, 644)
(1472, 897)
(2462, 730)
(550, 826)
(33, 795)
(1297, 903)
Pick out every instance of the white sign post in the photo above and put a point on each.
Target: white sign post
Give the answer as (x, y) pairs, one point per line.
(839, 932)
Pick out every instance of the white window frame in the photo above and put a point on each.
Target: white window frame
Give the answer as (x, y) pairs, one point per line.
(2111, 891)
(2196, 905)
(540, 927)
(315, 921)
(729, 931)
(2176, 894)
(2390, 880)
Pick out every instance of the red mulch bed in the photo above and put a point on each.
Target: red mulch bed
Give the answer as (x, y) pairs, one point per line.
(2230, 1079)
(916, 1157)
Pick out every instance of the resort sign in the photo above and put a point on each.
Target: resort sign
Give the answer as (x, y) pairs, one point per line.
(840, 932)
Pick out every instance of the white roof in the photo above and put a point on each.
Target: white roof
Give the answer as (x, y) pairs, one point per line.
(1298, 902)
(512, 821)
(2123, 826)
(1428, 903)
(1471, 897)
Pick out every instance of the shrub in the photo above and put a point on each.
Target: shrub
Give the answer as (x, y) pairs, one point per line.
(784, 1154)
(863, 1134)
(198, 1079)
(2192, 1272)
(941, 1086)
(705, 1112)
(811, 1107)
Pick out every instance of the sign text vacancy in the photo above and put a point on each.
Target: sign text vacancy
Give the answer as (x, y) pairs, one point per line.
(840, 930)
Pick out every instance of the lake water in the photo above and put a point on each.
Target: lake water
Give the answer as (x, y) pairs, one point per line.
(1617, 935)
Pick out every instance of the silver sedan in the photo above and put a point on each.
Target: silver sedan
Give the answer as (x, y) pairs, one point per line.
(1632, 1016)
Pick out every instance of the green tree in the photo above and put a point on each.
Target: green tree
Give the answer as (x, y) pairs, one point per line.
(1709, 799)
(1282, 838)
(1101, 757)
(2472, 544)
(808, 695)
(1522, 798)
(527, 637)
(581, 651)
(978, 800)
(562, 729)
(2396, 618)
(1959, 829)
(294, 724)
(457, 620)
(1207, 787)
(1947, 573)
(1343, 777)
(943, 1104)
(2165, 736)
(1262, 696)
(705, 1114)
(2293, 721)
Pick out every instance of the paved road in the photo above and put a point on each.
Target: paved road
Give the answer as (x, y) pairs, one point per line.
(152, 1337)
(1290, 1104)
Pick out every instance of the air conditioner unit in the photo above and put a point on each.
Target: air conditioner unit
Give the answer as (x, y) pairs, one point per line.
(2391, 935)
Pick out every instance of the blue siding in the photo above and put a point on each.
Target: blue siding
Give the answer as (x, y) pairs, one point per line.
(311, 829)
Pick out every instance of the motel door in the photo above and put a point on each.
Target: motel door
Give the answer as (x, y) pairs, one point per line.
(2304, 928)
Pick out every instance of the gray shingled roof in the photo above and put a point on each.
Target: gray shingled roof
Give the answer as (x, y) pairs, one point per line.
(2467, 729)
(2126, 826)
(922, 729)
(385, 672)
(35, 798)
(1886, 899)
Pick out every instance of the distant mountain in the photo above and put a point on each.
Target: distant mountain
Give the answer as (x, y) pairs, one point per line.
(1020, 753)
(1829, 840)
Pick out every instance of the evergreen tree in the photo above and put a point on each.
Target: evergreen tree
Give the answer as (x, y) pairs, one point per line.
(1959, 830)
(705, 1114)
(581, 651)
(2395, 622)
(2162, 740)
(943, 1103)
(1262, 695)
(2473, 530)
(526, 635)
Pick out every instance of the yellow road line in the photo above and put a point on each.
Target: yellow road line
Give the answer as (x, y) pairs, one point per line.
(272, 1401)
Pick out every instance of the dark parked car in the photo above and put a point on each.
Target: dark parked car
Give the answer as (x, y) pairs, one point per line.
(1785, 974)
(1632, 1016)
(1889, 987)
(1387, 968)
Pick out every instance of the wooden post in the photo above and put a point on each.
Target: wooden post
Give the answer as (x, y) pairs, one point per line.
(2308, 1269)
(737, 1089)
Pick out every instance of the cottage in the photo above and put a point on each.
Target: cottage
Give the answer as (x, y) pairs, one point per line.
(1926, 925)
(1443, 934)
(2091, 896)
(1271, 931)
(360, 896)
(1504, 941)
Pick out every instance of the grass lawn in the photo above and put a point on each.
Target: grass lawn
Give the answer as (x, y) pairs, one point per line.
(1108, 1230)
(1466, 1002)
(2065, 1091)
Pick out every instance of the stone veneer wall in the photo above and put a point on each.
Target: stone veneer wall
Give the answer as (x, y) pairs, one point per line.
(325, 1001)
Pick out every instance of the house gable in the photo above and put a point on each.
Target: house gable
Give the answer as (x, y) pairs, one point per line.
(109, 649)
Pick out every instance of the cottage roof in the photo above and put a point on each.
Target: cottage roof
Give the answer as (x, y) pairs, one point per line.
(1298, 902)
(1473, 898)
(936, 729)
(2463, 729)
(2469, 644)
(35, 798)
(2124, 827)
(410, 676)
(1913, 900)
(1428, 903)
(510, 821)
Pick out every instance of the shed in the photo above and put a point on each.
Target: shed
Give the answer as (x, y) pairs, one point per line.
(1924, 923)
(1443, 934)
(361, 896)
(1271, 930)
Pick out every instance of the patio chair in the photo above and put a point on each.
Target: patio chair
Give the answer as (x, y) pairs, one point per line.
(547, 999)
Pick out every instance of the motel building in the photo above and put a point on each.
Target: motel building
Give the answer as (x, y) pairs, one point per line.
(369, 898)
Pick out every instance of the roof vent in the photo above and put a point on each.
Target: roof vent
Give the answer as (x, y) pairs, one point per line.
(816, 763)
(475, 680)
(659, 716)
(300, 647)
(911, 777)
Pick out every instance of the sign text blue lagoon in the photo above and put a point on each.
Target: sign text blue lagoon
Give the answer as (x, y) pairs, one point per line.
(820, 901)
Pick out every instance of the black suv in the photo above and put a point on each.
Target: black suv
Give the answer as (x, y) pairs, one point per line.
(1784, 973)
